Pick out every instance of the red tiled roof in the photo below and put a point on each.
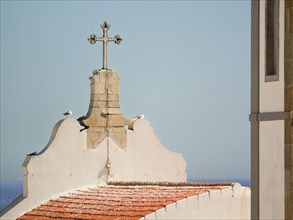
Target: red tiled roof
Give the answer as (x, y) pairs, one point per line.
(119, 200)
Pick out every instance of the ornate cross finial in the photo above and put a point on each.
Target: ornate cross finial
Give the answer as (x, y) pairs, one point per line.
(93, 39)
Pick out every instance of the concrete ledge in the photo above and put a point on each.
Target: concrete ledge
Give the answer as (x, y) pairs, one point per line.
(272, 78)
(270, 116)
(20, 198)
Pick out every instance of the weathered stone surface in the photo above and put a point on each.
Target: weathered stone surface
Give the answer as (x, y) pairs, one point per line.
(104, 116)
(114, 111)
(117, 121)
(110, 104)
(118, 135)
(106, 120)
(94, 138)
(105, 97)
(96, 135)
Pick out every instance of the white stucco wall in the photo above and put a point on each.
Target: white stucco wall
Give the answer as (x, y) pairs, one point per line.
(271, 167)
(66, 163)
(271, 133)
(229, 203)
(271, 90)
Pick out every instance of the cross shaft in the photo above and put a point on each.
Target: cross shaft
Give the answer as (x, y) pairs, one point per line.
(105, 39)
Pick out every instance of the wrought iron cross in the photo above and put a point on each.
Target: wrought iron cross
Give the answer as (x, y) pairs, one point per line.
(105, 39)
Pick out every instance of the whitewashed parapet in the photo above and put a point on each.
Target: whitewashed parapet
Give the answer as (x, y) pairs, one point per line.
(67, 163)
(229, 203)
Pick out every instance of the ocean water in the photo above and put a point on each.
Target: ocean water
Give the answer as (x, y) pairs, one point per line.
(11, 189)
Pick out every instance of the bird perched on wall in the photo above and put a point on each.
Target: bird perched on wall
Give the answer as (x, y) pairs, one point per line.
(138, 117)
(68, 113)
(131, 122)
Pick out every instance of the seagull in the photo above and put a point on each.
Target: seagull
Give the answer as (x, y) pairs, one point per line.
(138, 117)
(131, 122)
(68, 113)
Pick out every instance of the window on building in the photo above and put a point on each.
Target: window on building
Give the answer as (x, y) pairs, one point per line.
(272, 40)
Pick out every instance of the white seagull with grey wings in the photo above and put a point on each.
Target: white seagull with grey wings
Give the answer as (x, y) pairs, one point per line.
(68, 113)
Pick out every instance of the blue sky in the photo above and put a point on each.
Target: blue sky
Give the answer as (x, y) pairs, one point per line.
(185, 65)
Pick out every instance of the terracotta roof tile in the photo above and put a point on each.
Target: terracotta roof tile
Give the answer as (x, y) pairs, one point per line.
(119, 200)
